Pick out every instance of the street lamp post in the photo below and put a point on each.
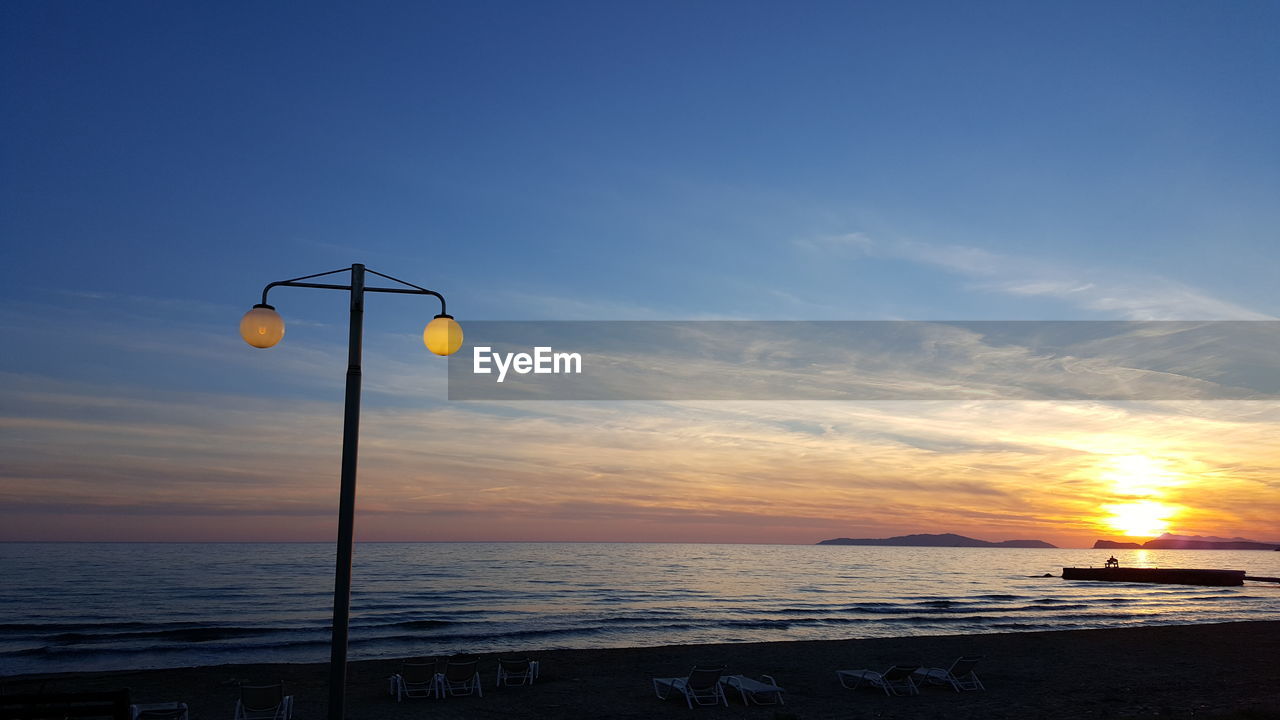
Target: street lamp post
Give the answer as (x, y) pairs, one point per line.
(262, 327)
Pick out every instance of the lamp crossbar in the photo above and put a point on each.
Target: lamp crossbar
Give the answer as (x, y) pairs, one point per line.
(410, 290)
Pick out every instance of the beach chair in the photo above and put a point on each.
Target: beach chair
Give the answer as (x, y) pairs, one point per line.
(158, 711)
(263, 702)
(461, 678)
(516, 672)
(417, 680)
(894, 681)
(764, 691)
(702, 686)
(960, 676)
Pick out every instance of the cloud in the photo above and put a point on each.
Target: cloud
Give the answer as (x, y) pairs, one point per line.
(711, 471)
(1131, 296)
(566, 308)
(883, 360)
(130, 457)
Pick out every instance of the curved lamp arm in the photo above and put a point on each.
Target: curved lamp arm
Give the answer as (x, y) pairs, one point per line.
(416, 290)
(262, 327)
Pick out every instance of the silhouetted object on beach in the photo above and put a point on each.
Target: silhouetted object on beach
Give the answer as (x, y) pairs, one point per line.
(521, 671)
(960, 676)
(764, 691)
(1112, 562)
(897, 680)
(263, 702)
(421, 679)
(702, 686)
(461, 677)
(159, 711)
(112, 705)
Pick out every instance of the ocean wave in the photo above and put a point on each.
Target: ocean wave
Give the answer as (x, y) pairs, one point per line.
(183, 635)
(99, 651)
(102, 633)
(269, 603)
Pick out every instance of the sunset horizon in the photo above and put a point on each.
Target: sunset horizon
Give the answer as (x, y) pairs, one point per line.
(1137, 540)
(574, 359)
(841, 284)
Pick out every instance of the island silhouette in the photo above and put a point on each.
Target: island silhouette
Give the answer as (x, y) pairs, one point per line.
(1169, 541)
(941, 540)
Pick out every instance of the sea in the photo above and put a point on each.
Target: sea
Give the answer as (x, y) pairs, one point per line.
(103, 606)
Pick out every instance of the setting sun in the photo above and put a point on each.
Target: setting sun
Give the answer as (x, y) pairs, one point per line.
(1139, 519)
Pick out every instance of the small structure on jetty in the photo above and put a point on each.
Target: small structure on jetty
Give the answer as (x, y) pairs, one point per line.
(1176, 576)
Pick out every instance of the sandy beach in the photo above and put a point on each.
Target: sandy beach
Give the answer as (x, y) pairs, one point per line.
(1229, 670)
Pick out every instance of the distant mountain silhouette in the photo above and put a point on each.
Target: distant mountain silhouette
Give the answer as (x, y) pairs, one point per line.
(1113, 545)
(1169, 541)
(943, 540)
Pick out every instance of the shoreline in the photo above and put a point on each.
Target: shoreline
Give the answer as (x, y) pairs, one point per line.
(1226, 670)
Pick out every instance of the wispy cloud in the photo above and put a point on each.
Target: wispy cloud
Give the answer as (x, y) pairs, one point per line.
(727, 471)
(1130, 296)
(1091, 360)
(130, 458)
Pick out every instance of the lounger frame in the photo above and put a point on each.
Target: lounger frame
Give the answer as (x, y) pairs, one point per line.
(764, 691)
(700, 687)
(897, 680)
(263, 702)
(960, 676)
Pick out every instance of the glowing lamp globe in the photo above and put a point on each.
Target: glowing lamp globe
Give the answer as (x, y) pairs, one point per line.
(443, 335)
(262, 326)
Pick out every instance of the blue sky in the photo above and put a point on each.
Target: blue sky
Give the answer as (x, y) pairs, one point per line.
(565, 161)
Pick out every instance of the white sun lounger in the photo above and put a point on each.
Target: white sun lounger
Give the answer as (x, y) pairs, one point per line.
(263, 702)
(960, 676)
(158, 711)
(460, 677)
(522, 671)
(418, 680)
(764, 691)
(894, 681)
(702, 686)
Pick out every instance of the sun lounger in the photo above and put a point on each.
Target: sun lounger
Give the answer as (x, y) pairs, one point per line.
(264, 702)
(701, 686)
(516, 672)
(764, 691)
(894, 681)
(417, 680)
(461, 678)
(960, 676)
(158, 711)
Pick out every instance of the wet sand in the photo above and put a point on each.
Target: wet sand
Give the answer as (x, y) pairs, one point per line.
(1229, 670)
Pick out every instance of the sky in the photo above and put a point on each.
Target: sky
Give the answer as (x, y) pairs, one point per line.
(923, 161)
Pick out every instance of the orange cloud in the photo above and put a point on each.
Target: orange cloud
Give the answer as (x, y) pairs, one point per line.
(90, 464)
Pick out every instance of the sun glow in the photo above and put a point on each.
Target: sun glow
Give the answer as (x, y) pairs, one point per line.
(1138, 475)
(1145, 518)
(1137, 484)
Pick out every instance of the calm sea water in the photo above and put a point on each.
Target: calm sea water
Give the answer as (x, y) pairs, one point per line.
(112, 606)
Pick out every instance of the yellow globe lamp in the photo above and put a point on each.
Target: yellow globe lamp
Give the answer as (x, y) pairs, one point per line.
(443, 335)
(262, 326)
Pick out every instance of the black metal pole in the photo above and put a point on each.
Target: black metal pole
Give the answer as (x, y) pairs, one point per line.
(347, 504)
